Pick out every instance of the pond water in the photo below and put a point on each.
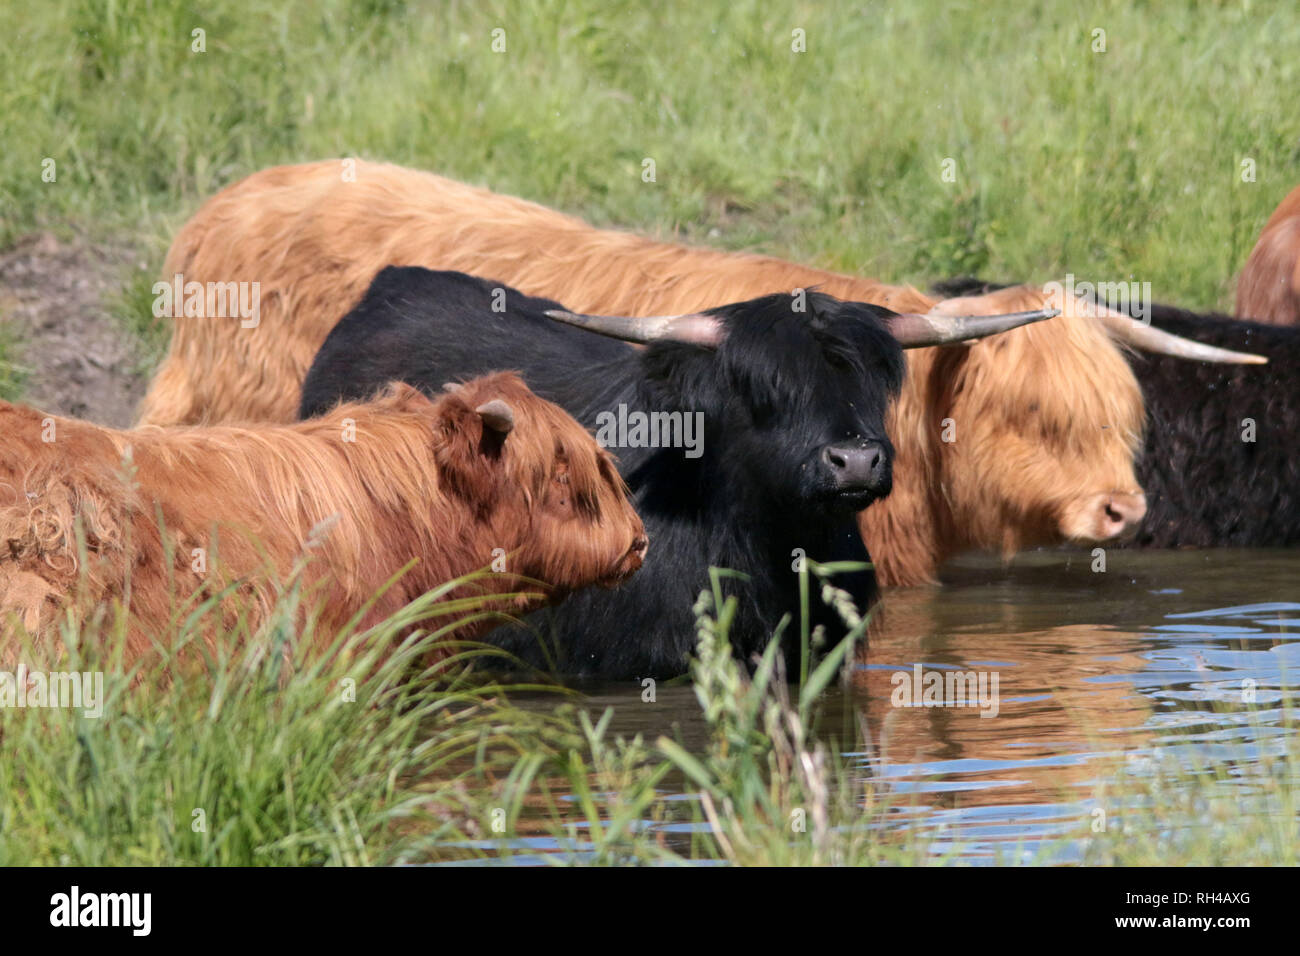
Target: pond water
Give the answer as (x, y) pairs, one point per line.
(1164, 654)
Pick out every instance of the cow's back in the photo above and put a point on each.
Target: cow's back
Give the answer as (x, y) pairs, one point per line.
(1220, 464)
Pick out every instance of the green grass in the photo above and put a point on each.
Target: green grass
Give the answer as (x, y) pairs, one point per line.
(13, 375)
(1202, 813)
(244, 761)
(1115, 163)
(366, 754)
(132, 308)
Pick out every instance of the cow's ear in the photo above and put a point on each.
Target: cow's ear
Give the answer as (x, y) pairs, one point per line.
(469, 454)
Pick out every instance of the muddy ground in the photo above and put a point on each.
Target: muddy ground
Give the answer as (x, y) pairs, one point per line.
(56, 300)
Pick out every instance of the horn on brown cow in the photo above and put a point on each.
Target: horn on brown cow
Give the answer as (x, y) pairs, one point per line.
(1146, 338)
(915, 330)
(695, 328)
(497, 415)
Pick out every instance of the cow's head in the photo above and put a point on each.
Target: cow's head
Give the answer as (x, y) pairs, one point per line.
(551, 498)
(1047, 421)
(1034, 432)
(804, 383)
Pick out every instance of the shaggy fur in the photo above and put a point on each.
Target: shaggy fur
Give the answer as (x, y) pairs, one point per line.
(359, 493)
(1206, 486)
(1269, 287)
(780, 389)
(1046, 417)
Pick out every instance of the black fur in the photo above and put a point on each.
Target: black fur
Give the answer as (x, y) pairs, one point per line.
(1205, 485)
(782, 385)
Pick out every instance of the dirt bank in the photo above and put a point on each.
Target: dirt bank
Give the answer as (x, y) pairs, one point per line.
(55, 300)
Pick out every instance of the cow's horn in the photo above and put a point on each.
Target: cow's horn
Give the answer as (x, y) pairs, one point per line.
(497, 416)
(915, 330)
(1147, 338)
(695, 328)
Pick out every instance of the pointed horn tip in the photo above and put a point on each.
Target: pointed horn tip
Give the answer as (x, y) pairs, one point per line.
(1027, 317)
(1217, 356)
(1145, 337)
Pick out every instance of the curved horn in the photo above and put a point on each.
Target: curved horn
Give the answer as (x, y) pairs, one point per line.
(1150, 339)
(695, 328)
(915, 330)
(497, 415)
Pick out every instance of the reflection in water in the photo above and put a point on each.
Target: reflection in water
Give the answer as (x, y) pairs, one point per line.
(1181, 654)
(1182, 650)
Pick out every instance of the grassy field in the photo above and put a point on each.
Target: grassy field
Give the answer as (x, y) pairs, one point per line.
(1116, 165)
(1112, 164)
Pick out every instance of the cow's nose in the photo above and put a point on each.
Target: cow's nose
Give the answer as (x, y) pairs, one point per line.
(855, 464)
(635, 556)
(1120, 513)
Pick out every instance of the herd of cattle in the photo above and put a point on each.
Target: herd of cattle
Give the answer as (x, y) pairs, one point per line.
(418, 397)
